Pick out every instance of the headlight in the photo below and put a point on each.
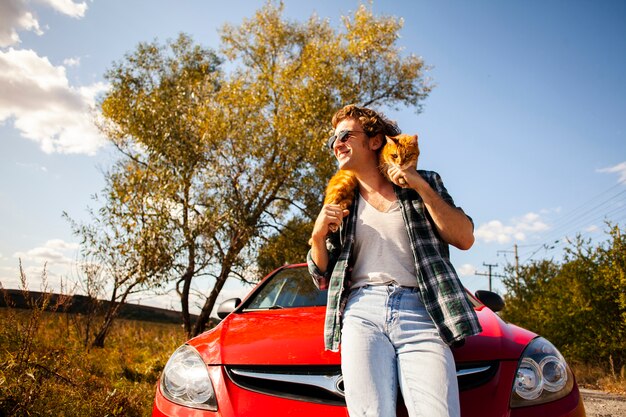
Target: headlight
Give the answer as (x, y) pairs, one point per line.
(185, 380)
(542, 375)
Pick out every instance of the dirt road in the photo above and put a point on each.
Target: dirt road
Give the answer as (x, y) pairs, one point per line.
(603, 404)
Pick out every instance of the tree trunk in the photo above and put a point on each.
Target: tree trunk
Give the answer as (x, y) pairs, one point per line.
(184, 302)
(184, 298)
(111, 315)
(205, 314)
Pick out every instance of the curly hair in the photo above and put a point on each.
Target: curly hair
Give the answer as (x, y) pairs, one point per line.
(373, 123)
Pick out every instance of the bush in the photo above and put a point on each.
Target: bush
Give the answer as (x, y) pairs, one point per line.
(579, 304)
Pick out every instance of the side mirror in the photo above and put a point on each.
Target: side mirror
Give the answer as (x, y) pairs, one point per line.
(490, 299)
(228, 307)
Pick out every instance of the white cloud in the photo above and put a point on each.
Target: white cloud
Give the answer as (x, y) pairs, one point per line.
(15, 16)
(60, 244)
(37, 277)
(71, 62)
(36, 95)
(45, 107)
(496, 231)
(466, 270)
(51, 264)
(618, 169)
(67, 7)
(36, 167)
(55, 252)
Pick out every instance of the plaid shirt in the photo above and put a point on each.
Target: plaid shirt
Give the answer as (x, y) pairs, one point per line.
(442, 291)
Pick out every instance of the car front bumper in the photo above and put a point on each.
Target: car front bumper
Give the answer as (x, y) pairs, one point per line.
(488, 399)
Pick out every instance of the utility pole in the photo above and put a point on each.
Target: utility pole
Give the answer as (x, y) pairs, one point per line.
(516, 259)
(489, 274)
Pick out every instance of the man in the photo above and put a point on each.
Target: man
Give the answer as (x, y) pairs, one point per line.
(394, 300)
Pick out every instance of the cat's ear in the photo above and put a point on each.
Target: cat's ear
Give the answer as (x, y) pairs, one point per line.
(414, 140)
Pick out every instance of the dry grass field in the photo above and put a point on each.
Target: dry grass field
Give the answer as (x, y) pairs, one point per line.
(46, 370)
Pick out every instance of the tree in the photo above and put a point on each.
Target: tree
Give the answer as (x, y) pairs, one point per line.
(124, 251)
(288, 246)
(151, 115)
(526, 293)
(579, 303)
(292, 77)
(239, 156)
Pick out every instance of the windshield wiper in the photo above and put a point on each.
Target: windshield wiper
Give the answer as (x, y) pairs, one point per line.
(276, 307)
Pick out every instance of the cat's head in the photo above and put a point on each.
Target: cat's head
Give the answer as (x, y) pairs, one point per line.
(401, 150)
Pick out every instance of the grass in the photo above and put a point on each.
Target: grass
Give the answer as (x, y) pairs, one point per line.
(596, 377)
(45, 370)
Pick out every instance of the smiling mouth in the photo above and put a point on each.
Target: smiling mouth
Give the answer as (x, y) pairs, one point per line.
(342, 153)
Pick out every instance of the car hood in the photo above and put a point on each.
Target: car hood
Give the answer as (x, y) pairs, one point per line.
(295, 337)
(268, 337)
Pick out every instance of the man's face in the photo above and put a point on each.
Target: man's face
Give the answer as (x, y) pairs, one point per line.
(350, 147)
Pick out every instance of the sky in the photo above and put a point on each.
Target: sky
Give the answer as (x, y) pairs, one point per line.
(526, 123)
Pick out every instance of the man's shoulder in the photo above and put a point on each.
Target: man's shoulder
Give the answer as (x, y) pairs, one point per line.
(431, 176)
(427, 172)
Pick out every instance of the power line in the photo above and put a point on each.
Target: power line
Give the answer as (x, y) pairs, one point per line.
(588, 212)
(569, 221)
(543, 246)
(572, 213)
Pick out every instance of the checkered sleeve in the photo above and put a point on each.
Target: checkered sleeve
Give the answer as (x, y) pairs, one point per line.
(320, 279)
(442, 292)
(435, 181)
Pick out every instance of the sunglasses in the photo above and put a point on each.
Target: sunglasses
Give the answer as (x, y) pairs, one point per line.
(342, 137)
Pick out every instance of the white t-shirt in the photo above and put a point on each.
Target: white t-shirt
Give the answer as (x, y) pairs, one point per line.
(382, 251)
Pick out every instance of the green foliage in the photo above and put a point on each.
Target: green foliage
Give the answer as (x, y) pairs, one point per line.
(214, 162)
(288, 247)
(297, 76)
(146, 225)
(578, 304)
(155, 215)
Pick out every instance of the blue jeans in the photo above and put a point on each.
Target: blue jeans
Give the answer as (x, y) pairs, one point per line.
(389, 340)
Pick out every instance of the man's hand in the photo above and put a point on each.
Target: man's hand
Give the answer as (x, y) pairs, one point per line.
(404, 177)
(451, 223)
(328, 220)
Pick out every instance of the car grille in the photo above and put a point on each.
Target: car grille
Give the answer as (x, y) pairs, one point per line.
(319, 384)
(324, 384)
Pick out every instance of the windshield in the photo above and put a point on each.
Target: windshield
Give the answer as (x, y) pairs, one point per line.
(290, 287)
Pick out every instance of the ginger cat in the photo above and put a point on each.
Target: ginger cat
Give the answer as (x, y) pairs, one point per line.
(401, 150)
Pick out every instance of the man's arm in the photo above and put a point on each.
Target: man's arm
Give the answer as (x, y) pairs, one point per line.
(319, 254)
(452, 224)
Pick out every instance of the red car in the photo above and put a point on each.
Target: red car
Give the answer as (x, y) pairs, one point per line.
(267, 358)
